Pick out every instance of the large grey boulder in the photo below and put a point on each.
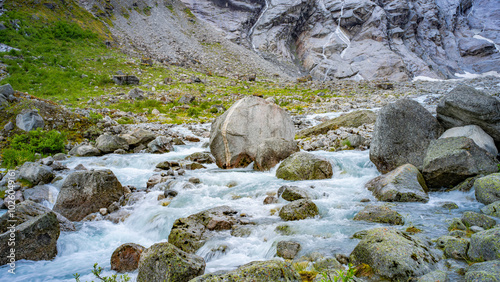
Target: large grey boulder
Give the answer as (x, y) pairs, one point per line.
(28, 210)
(488, 271)
(271, 151)
(138, 136)
(36, 173)
(271, 270)
(402, 133)
(190, 233)
(36, 239)
(474, 132)
(487, 188)
(379, 214)
(456, 248)
(450, 161)
(298, 210)
(492, 209)
(110, 143)
(86, 192)
(485, 245)
(470, 218)
(167, 263)
(235, 136)
(85, 150)
(394, 255)
(304, 166)
(6, 90)
(352, 119)
(29, 120)
(161, 144)
(465, 105)
(404, 184)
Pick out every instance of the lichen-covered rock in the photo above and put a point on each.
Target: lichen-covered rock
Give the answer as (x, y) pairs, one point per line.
(485, 245)
(126, 257)
(404, 184)
(393, 255)
(456, 248)
(271, 270)
(201, 157)
(29, 120)
(402, 133)
(304, 166)
(487, 188)
(36, 173)
(287, 249)
(190, 233)
(28, 210)
(434, 276)
(273, 150)
(492, 209)
(450, 161)
(110, 143)
(474, 132)
(36, 239)
(470, 218)
(86, 192)
(379, 214)
(297, 210)
(488, 271)
(167, 263)
(293, 193)
(352, 119)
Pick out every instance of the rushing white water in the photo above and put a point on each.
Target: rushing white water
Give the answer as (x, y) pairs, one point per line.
(338, 200)
(252, 29)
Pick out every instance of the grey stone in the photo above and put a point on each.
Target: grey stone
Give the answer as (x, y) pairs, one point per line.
(474, 132)
(434, 276)
(470, 218)
(304, 166)
(161, 145)
(136, 94)
(456, 248)
(9, 126)
(85, 151)
(487, 188)
(273, 150)
(404, 184)
(298, 210)
(110, 143)
(293, 193)
(126, 79)
(6, 90)
(353, 119)
(488, 271)
(485, 245)
(40, 193)
(29, 120)
(287, 249)
(492, 209)
(402, 133)
(379, 214)
(36, 173)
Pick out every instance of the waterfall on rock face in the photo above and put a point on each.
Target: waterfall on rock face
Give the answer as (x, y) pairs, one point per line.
(252, 29)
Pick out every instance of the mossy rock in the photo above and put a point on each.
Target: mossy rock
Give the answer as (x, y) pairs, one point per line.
(353, 119)
(492, 209)
(297, 210)
(379, 214)
(304, 166)
(165, 262)
(456, 248)
(476, 219)
(487, 188)
(484, 272)
(485, 245)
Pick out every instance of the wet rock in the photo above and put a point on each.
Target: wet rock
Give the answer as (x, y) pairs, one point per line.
(126, 257)
(86, 192)
(29, 120)
(193, 166)
(449, 205)
(487, 188)
(450, 161)
(236, 135)
(271, 270)
(402, 133)
(273, 150)
(474, 132)
(110, 143)
(470, 218)
(138, 136)
(465, 105)
(492, 209)
(36, 173)
(201, 157)
(80, 167)
(194, 180)
(59, 157)
(287, 249)
(488, 271)
(353, 119)
(379, 214)
(36, 239)
(270, 200)
(465, 185)
(304, 166)
(241, 231)
(456, 248)
(457, 223)
(393, 255)
(28, 210)
(485, 245)
(190, 233)
(298, 210)
(164, 165)
(294, 193)
(404, 184)
(40, 194)
(434, 276)
(85, 151)
(165, 262)
(161, 145)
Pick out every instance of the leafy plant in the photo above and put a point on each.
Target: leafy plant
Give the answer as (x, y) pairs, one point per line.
(342, 275)
(346, 142)
(95, 117)
(97, 273)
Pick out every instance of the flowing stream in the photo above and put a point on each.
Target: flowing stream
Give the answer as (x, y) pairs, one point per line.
(338, 200)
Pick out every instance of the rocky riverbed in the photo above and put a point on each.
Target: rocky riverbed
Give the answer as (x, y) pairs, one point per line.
(151, 183)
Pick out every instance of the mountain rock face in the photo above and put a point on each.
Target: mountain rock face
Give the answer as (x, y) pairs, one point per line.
(328, 39)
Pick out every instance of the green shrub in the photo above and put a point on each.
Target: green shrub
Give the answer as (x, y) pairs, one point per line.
(39, 141)
(97, 273)
(125, 120)
(193, 112)
(94, 118)
(12, 158)
(342, 276)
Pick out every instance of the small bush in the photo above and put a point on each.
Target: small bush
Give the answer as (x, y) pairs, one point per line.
(39, 141)
(125, 120)
(342, 276)
(97, 273)
(12, 158)
(94, 118)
